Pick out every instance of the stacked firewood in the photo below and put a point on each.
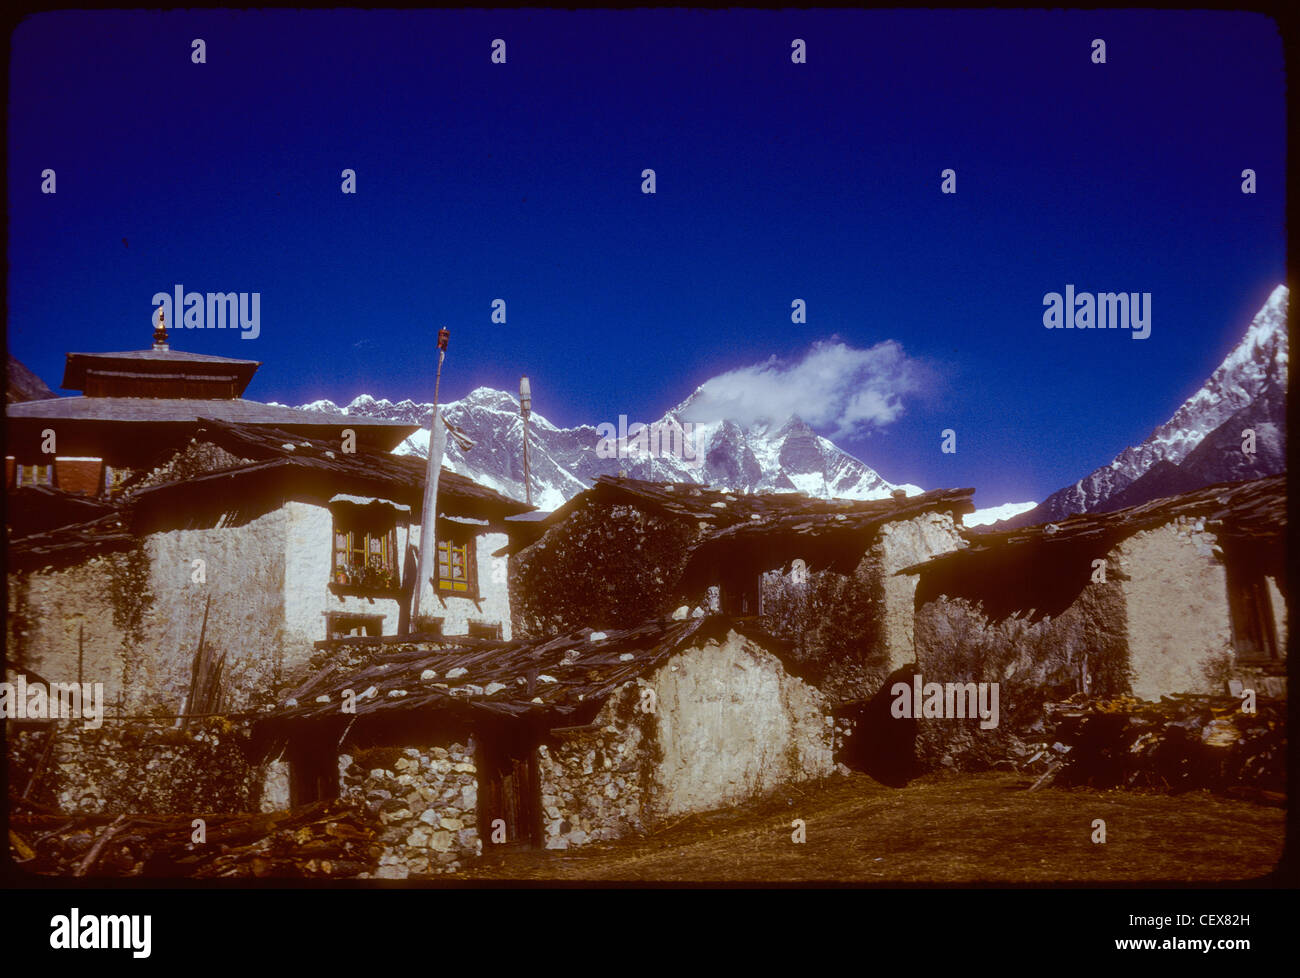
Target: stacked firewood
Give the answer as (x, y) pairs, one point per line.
(1181, 743)
(322, 840)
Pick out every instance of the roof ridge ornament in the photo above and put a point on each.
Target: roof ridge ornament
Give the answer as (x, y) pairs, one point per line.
(160, 331)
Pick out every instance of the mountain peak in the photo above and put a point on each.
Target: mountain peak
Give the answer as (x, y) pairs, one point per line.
(760, 457)
(1246, 389)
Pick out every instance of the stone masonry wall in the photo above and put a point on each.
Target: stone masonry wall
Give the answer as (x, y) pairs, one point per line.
(594, 785)
(426, 798)
(728, 724)
(136, 768)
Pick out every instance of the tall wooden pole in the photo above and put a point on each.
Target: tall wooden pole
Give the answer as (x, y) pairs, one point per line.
(526, 408)
(429, 511)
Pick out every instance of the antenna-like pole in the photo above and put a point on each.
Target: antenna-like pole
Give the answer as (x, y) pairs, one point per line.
(429, 512)
(526, 408)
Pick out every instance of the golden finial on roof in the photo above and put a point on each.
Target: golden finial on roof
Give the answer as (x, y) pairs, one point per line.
(160, 331)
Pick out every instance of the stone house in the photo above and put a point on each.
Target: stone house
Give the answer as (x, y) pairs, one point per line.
(262, 542)
(462, 744)
(629, 549)
(1177, 595)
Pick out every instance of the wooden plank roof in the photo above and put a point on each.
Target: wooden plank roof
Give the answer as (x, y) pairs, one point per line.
(272, 450)
(824, 539)
(39, 509)
(556, 678)
(1252, 509)
(70, 543)
(719, 507)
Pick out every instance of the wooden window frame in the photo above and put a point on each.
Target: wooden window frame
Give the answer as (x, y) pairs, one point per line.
(1250, 606)
(364, 555)
(35, 480)
(446, 583)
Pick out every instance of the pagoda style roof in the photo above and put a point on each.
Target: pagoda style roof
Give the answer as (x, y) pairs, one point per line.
(157, 372)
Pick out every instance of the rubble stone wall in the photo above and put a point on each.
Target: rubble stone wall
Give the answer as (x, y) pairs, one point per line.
(604, 567)
(728, 724)
(427, 799)
(136, 768)
(1033, 660)
(595, 785)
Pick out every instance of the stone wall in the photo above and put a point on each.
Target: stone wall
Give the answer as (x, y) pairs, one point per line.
(244, 576)
(1033, 660)
(137, 768)
(900, 544)
(605, 566)
(729, 724)
(47, 611)
(427, 799)
(595, 785)
(1176, 594)
(141, 612)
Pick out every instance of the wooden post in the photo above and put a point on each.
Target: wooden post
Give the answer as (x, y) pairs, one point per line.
(429, 511)
(526, 408)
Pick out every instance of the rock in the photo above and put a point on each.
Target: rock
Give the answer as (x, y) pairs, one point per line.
(681, 613)
(438, 753)
(428, 675)
(557, 842)
(440, 841)
(611, 791)
(469, 797)
(404, 764)
(493, 688)
(464, 768)
(451, 824)
(429, 816)
(457, 672)
(418, 838)
(577, 837)
(396, 872)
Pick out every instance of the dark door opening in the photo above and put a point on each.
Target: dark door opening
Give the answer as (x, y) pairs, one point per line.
(509, 790)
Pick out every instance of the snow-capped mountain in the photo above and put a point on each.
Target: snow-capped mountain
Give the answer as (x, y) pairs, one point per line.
(992, 514)
(761, 457)
(1202, 443)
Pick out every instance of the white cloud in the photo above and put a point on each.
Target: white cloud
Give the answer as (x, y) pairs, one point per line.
(834, 387)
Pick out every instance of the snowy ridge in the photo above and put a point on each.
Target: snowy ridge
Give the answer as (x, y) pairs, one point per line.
(1254, 368)
(762, 457)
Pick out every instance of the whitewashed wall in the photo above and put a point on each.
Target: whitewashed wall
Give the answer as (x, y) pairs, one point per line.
(244, 571)
(309, 556)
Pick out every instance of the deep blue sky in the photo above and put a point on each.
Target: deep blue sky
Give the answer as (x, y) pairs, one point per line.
(776, 181)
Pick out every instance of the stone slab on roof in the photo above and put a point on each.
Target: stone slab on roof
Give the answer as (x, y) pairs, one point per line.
(555, 679)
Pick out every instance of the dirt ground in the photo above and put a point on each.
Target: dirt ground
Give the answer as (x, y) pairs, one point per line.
(942, 828)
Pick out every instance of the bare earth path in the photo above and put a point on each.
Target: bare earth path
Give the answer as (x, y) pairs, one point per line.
(942, 828)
